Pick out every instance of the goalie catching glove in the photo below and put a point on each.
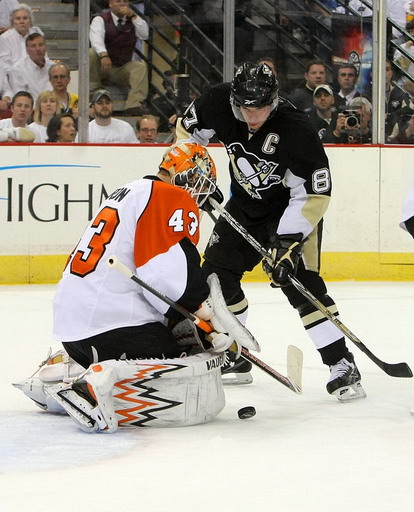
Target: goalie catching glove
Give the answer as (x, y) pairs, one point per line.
(227, 328)
(286, 254)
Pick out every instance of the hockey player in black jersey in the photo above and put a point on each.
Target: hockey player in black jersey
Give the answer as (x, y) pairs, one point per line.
(280, 190)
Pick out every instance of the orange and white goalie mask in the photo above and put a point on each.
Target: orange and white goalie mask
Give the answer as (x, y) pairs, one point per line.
(192, 168)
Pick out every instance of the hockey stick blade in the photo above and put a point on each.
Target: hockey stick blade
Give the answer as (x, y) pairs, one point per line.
(294, 368)
(392, 369)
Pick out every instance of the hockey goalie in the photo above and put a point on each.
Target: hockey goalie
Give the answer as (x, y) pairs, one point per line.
(129, 357)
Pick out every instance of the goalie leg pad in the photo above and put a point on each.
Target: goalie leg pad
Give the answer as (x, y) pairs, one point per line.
(148, 392)
(228, 320)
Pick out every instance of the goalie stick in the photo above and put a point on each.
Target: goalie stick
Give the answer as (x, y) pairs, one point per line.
(293, 381)
(392, 369)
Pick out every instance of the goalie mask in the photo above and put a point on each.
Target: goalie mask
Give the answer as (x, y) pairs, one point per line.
(191, 167)
(254, 85)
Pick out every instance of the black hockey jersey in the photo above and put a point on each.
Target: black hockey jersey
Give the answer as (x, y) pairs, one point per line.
(280, 171)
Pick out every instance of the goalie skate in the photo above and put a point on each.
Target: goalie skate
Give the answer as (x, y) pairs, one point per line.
(236, 370)
(345, 380)
(76, 400)
(57, 367)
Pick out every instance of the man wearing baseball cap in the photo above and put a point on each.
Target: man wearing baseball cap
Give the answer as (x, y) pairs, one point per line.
(105, 129)
(324, 115)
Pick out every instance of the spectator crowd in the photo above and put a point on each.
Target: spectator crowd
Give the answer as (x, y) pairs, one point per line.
(35, 96)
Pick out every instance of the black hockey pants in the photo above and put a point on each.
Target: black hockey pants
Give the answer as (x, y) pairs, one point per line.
(229, 255)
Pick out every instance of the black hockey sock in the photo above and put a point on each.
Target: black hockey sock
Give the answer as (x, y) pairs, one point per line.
(334, 352)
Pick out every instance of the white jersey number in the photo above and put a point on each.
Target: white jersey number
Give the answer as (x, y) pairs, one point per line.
(190, 117)
(176, 222)
(321, 181)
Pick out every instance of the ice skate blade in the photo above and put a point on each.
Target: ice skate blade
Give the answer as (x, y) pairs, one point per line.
(33, 389)
(349, 393)
(79, 409)
(236, 379)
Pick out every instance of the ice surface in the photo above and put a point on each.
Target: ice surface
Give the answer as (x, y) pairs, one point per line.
(299, 453)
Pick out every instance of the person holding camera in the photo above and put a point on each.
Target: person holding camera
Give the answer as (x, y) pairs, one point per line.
(113, 36)
(353, 125)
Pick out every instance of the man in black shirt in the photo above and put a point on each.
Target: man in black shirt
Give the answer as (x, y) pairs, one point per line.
(302, 96)
(324, 116)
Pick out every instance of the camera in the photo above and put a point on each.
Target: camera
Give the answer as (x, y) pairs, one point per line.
(352, 119)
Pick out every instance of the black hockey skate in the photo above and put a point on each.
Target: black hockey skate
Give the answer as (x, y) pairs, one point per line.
(236, 371)
(345, 380)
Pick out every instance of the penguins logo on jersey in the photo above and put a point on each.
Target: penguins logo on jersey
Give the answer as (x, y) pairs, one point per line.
(214, 239)
(252, 173)
(322, 133)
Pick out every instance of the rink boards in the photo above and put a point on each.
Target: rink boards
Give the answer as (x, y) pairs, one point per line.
(49, 193)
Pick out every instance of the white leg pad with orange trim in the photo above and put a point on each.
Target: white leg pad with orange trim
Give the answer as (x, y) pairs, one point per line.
(150, 392)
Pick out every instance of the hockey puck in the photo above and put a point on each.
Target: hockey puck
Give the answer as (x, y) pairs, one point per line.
(246, 412)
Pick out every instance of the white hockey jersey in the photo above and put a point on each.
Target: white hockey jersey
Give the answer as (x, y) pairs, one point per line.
(152, 227)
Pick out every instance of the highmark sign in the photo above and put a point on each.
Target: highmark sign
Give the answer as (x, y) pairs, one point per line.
(44, 208)
(49, 193)
(47, 201)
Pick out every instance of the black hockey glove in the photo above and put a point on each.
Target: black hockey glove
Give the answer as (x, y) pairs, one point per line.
(286, 253)
(217, 195)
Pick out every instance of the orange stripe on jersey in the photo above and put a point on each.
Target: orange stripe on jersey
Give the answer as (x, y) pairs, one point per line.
(171, 215)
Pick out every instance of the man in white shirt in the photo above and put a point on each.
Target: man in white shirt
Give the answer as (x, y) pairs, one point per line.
(32, 72)
(15, 128)
(113, 36)
(12, 42)
(105, 129)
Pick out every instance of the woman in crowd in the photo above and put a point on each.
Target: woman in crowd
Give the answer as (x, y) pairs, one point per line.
(46, 107)
(62, 128)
